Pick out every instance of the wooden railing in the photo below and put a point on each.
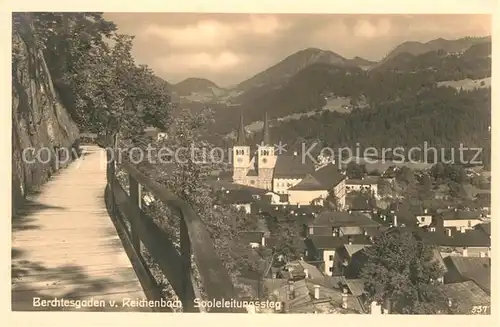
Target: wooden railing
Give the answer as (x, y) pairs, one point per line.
(194, 241)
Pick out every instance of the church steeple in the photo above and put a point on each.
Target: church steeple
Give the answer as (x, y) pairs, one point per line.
(265, 137)
(241, 133)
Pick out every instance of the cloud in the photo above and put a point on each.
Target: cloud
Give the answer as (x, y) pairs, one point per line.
(206, 33)
(228, 48)
(198, 61)
(264, 25)
(210, 33)
(331, 31)
(367, 29)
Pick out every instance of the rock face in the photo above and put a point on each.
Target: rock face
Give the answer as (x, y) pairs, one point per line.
(41, 126)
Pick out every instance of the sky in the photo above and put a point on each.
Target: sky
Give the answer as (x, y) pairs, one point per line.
(229, 48)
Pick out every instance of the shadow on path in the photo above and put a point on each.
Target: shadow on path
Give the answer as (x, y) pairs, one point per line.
(67, 281)
(22, 219)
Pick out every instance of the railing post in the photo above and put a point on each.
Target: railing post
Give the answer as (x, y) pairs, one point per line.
(110, 175)
(187, 285)
(136, 199)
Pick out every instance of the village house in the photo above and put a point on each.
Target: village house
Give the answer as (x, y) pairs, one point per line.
(466, 281)
(312, 296)
(410, 214)
(289, 179)
(315, 187)
(362, 203)
(346, 257)
(459, 219)
(470, 243)
(331, 230)
(325, 250)
(299, 269)
(368, 184)
(355, 287)
(341, 223)
(423, 217)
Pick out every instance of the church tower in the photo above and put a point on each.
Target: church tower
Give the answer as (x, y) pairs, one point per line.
(241, 156)
(266, 158)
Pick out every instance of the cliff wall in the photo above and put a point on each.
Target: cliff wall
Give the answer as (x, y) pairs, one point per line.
(41, 126)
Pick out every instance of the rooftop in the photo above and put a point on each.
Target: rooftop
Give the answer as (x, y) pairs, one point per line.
(303, 300)
(360, 202)
(298, 269)
(322, 179)
(475, 269)
(343, 219)
(290, 166)
(466, 295)
(334, 242)
(356, 286)
(368, 180)
(351, 249)
(308, 183)
(413, 209)
(461, 214)
(470, 238)
(485, 227)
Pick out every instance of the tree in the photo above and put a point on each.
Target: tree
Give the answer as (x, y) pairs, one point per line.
(96, 76)
(402, 269)
(286, 234)
(354, 170)
(426, 187)
(375, 172)
(457, 191)
(385, 188)
(450, 119)
(117, 98)
(405, 175)
(287, 238)
(332, 201)
(185, 174)
(437, 171)
(456, 173)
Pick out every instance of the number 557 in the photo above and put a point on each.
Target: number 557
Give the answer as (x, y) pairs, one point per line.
(480, 310)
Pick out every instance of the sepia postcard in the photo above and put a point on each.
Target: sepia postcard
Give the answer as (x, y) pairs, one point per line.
(252, 163)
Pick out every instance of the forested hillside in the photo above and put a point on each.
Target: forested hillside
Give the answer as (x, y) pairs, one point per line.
(398, 103)
(440, 116)
(448, 46)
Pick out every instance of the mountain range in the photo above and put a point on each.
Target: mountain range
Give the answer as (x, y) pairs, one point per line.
(292, 64)
(276, 75)
(312, 82)
(449, 46)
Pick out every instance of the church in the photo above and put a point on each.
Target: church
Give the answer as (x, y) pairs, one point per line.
(254, 168)
(288, 178)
